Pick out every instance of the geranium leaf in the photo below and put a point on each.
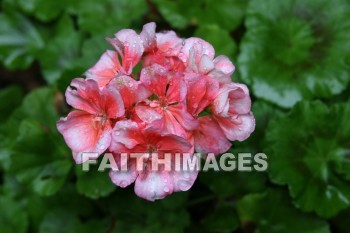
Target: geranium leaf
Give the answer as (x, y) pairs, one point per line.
(313, 161)
(272, 212)
(295, 50)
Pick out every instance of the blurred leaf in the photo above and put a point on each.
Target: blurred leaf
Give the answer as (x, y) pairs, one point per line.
(44, 10)
(61, 52)
(272, 212)
(221, 40)
(39, 158)
(39, 105)
(176, 12)
(20, 41)
(134, 214)
(222, 219)
(10, 98)
(312, 158)
(92, 50)
(93, 183)
(235, 183)
(12, 217)
(108, 16)
(58, 221)
(295, 50)
(227, 14)
(36, 160)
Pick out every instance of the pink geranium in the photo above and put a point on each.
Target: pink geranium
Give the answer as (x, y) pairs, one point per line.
(182, 100)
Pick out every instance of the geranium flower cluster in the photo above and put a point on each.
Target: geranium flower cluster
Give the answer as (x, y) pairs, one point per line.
(156, 93)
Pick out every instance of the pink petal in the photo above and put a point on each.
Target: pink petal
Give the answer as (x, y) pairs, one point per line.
(223, 64)
(154, 185)
(126, 135)
(112, 102)
(124, 178)
(155, 79)
(205, 64)
(183, 180)
(83, 94)
(130, 48)
(168, 43)
(209, 138)
(83, 132)
(237, 127)
(200, 47)
(88, 97)
(105, 69)
(232, 99)
(186, 120)
(131, 91)
(148, 36)
(177, 89)
(171, 143)
(201, 92)
(147, 114)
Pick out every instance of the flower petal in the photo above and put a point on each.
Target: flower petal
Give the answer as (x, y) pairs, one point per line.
(124, 178)
(131, 91)
(148, 36)
(154, 185)
(223, 64)
(130, 48)
(126, 135)
(105, 69)
(237, 127)
(84, 133)
(209, 138)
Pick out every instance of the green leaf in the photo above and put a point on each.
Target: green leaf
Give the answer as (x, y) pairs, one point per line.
(308, 150)
(133, 214)
(59, 220)
(107, 16)
(36, 159)
(93, 183)
(176, 12)
(222, 219)
(44, 10)
(20, 41)
(296, 50)
(40, 105)
(61, 52)
(228, 184)
(10, 98)
(12, 216)
(227, 14)
(38, 156)
(219, 38)
(272, 212)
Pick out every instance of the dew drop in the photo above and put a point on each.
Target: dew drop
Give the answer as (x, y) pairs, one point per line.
(166, 189)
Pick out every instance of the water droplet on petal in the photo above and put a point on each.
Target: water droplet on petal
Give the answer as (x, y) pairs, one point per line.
(166, 189)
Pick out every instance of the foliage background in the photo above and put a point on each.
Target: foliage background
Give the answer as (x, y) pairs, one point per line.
(294, 56)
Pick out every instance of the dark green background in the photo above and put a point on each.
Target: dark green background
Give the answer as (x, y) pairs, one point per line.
(294, 55)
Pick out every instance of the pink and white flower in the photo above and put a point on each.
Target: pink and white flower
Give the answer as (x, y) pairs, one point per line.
(183, 100)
